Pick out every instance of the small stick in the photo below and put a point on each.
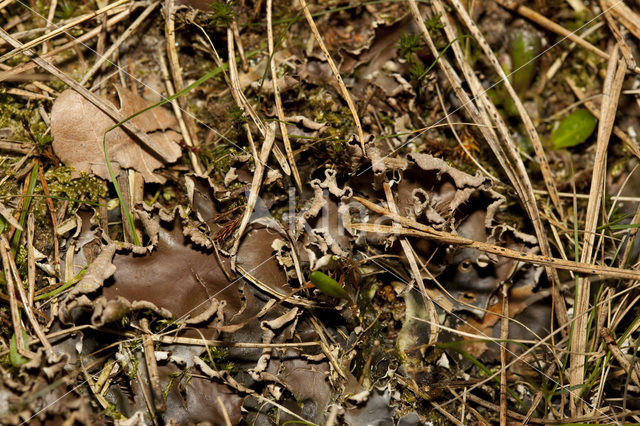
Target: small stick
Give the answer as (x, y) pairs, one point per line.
(123, 37)
(152, 367)
(421, 230)
(220, 343)
(47, 36)
(607, 336)
(7, 74)
(336, 73)
(27, 94)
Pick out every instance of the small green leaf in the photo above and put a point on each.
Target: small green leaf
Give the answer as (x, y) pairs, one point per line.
(14, 356)
(524, 46)
(328, 285)
(574, 129)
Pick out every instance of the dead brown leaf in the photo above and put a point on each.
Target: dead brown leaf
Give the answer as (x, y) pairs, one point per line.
(78, 128)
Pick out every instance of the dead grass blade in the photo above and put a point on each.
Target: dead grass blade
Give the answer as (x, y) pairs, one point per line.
(276, 95)
(506, 152)
(610, 95)
(625, 15)
(10, 266)
(421, 230)
(336, 73)
(187, 126)
(256, 183)
(625, 49)
(13, 304)
(7, 74)
(59, 30)
(541, 157)
(6, 214)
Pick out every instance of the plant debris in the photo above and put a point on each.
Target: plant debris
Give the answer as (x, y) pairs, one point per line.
(385, 213)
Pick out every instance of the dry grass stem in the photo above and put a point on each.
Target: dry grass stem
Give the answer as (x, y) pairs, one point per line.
(59, 30)
(12, 72)
(422, 230)
(256, 183)
(101, 58)
(336, 73)
(278, 101)
(31, 258)
(13, 305)
(508, 155)
(177, 110)
(530, 128)
(610, 95)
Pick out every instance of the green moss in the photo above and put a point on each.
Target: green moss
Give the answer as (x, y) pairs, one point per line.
(64, 182)
(112, 411)
(172, 379)
(220, 359)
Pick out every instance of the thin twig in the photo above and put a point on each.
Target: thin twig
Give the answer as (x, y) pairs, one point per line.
(504, 335)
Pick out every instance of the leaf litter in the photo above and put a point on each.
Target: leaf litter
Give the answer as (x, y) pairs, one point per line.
(395, 283)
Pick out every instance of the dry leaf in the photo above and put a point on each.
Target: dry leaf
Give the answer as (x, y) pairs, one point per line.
(78, 127)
